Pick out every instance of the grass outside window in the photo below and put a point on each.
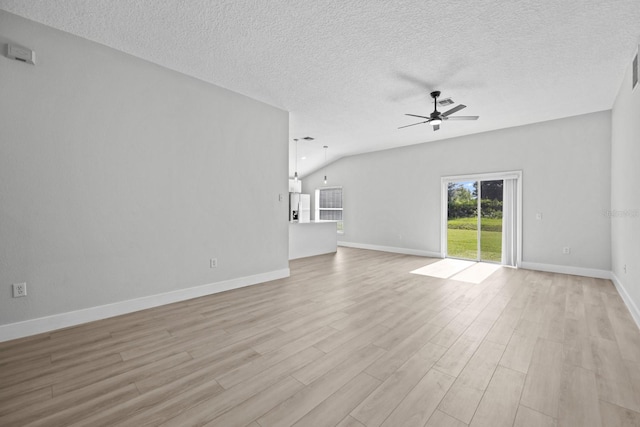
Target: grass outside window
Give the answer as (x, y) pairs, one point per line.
(463, 237)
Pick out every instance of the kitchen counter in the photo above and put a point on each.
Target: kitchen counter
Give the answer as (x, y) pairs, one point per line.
(312, 238)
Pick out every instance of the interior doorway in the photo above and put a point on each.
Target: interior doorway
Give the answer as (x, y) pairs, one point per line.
(481, 218)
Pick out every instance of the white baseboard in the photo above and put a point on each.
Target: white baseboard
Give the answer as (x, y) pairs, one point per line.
(72, 318)
(565, 269)
(551, 268)
(633, 308)
(391, 249)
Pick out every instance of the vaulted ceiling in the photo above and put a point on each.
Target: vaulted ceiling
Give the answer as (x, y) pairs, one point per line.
(348, 71)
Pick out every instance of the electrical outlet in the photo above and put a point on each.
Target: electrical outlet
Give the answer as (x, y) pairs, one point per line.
(213, 263)
(19, 290)
(566, 250)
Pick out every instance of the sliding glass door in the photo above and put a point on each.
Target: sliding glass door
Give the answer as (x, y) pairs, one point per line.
(490, 218)
(474, 220)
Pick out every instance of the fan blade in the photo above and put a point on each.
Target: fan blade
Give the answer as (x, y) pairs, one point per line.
(462, 118)
(416, 81)
(415, 115)
(436, 127)
(454, 109)
(413, 124)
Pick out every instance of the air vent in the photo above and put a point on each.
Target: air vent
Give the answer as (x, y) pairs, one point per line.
(445, 102)
(308, 138)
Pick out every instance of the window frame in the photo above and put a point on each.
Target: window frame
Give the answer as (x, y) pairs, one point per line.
(317, 208)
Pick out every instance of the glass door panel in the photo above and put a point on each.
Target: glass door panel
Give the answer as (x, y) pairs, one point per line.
(491, 194)
(462, 220)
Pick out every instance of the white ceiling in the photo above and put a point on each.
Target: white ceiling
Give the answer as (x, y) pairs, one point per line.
(348, 70)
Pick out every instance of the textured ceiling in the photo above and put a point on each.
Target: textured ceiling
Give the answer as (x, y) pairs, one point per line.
(348, 70)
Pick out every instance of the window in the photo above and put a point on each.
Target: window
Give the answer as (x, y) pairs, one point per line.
(329, 206)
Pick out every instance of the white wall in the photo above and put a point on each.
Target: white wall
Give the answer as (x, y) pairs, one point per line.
(120, 179)
(392, 197)
(625, 196)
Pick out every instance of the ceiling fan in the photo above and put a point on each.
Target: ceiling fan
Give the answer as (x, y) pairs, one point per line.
(437, 117)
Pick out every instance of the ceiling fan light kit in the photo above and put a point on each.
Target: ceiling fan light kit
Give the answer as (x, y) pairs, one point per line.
(436, 118)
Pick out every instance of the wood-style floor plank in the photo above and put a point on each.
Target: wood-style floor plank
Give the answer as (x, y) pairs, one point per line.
(351, 339)
(227, 400)
(378, 405)
(527, 417)
(440, 419)
(499, 404)
(542, 387)
(616, 416)
(294, 408)
(463, 398)
(337, 406)
(578, 398)
(418, 406)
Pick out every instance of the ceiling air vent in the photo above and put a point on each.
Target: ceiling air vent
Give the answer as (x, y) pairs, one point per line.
(445, 102)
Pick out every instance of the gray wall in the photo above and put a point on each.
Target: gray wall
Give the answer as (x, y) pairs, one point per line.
(625, 195)
(392, 197)
(121, 179)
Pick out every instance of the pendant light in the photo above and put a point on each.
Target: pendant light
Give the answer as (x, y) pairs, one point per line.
(325, 164)
(295, 175)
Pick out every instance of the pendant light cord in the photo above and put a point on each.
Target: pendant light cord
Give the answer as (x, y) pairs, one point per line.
(295, 175)
(325, 163)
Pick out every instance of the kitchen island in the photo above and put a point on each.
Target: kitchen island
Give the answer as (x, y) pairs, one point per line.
(312, 238)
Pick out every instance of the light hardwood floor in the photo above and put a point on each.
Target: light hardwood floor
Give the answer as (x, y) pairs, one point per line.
(350, 339)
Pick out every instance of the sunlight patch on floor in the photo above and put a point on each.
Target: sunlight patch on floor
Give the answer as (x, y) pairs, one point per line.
(477, 273)
(457, 269)
(444, 268)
